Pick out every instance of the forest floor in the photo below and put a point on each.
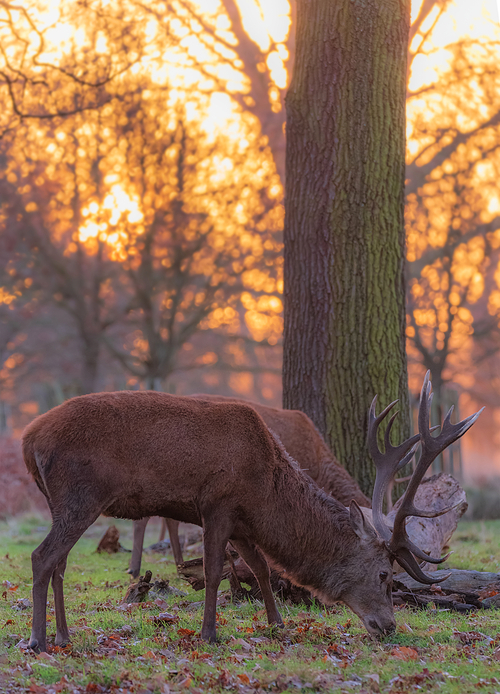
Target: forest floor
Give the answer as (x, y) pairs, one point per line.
(118, 648)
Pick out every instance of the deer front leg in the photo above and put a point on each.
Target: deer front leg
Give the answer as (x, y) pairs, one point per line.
(173, 533)
(257, 562)
(216, 533)
(136, 558)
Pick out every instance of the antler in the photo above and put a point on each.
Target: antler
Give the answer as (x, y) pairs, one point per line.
(387, 464)
(395, 458)
(400, 544)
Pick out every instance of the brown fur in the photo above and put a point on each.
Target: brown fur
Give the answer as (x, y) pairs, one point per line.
(215, 464)
(305, 444)
(302, 441)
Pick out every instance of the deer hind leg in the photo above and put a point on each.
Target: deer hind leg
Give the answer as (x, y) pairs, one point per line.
(136, 558)
(62, 633)
(45, 560)
(216, 532)
(257, 562)
(173, 533)
(163, 529)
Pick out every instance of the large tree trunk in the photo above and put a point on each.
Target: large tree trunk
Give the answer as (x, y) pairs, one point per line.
(344, 336)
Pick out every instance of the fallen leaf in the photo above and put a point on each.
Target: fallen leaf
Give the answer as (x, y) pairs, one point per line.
(374, 681)
(37, 689)
(405, 628)
(404, 653)
(93, 688)
(164, 618)
(243, 677)
(186, 632)
(468, 637)
(241, 642)
(46, 656)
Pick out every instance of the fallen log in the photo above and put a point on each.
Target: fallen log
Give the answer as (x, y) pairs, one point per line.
(454, 601)
(460, 580)
(463, 590)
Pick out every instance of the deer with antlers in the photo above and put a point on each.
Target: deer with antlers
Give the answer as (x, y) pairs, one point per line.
(137, 454)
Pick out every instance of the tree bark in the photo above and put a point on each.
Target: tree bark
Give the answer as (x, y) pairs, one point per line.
(344, 336)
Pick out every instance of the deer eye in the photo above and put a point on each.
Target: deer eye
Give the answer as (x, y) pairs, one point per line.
(383, 576)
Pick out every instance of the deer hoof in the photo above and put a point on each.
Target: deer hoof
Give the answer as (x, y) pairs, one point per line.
(34, 646)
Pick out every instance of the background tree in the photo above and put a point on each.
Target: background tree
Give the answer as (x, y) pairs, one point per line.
(202, 240)
(44, 191)
(453, 208)
(139, 217)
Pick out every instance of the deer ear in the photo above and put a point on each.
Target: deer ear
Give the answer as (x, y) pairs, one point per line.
(359, 524)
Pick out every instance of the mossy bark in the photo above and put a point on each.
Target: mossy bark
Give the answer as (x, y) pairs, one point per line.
(344, 229)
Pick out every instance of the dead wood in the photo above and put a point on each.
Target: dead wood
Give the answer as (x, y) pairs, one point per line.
(453, 601)
(137, 592)
(459, 581)
(110, 541)
(161, 547)
(432, 535)
(462, 591)
(144, 590)
(192, 571)
(238, 573)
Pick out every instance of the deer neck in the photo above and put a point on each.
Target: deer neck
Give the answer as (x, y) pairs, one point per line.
(308, 535)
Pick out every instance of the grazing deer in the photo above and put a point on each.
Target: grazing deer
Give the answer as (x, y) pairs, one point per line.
(302, 441)
(136, 454)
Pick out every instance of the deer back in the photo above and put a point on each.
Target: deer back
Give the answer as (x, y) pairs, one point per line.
(305, 444)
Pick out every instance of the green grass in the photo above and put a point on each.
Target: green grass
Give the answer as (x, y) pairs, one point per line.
(119, 649)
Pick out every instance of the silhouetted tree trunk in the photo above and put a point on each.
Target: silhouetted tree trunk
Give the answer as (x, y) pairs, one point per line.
(344, 232)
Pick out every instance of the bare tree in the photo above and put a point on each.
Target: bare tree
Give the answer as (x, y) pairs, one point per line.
(453, 218)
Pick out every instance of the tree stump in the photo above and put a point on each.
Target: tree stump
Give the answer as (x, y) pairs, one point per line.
(110, 542)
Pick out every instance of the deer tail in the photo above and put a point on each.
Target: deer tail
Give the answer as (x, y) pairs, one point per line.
(33, 464)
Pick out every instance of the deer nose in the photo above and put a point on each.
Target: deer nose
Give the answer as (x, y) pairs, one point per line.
(382, 630)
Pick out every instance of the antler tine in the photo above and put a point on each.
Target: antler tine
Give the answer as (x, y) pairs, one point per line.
(400, 545)
(407, 561)
(408, 457)
(386, 463)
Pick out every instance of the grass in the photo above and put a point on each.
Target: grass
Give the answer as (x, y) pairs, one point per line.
(120, 649)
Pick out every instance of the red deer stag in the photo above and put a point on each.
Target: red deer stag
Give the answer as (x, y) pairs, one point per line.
(137, 454)
(302, 441)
